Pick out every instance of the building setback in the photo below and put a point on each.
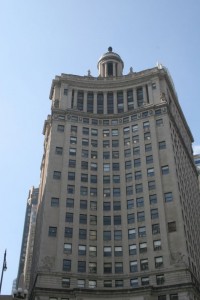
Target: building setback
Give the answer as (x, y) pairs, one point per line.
(118, 211)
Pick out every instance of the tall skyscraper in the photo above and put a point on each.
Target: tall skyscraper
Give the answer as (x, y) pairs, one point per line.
(118, 212)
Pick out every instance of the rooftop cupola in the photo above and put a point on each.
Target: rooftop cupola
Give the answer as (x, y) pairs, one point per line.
(110, 64)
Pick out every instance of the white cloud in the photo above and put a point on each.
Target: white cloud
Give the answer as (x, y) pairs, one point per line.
(196, 149)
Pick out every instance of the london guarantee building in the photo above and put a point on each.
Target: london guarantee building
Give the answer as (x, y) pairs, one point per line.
(118, 212)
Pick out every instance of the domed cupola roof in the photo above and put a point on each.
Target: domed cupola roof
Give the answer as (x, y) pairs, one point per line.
(110, 64)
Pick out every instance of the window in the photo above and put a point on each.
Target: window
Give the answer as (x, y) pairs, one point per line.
(84, 165)
(81, 250)
(94, 154)
(138, 175)
(93, 166)
(106, 206)
(93, 178)
(100, 100)
(92, 267)
(72, 151)
(118, 251)
(157, 245)
(93, 235)
(159, 122)
(61, 128)
(153, 199)
(165, 170)
(66, 265)
(94, 132)
(80, 97)
(54, 202)
(134, 127)
(129, 190)
(149, 159)
(127, 153)
(56, 175)
(128, 177)
(151, 185)
(69, 217)
(68, 232)
(82, 219)
(115, 166)
(147, 136)
(128, 164)
(126, 130)
(134, 282)
(70, 189)
(83, 204)
(115, 132)
(136, 150)
(131, 234)
(106, 179)
(106, 155)
(160, 279)
(90, 101)
(52, 231)
(115, 143)
(107, 235)
(110, 104)
(73, 140)
(106, 144)
(84, 177)
(120, 102)
(130, 204)
(106, 192)
(143, 247)
(158, 111)
(115, 154)
(148, 147)
(135, 139)
(139, 92)
(81, 266)
(144, 265)
(116, 192)
(116, 179)
(138, 188)
(158, 262)
(93, 191)
(137, 162)
(72, 163)
(140, 202)
(107, 268)
(94, 143)
(69, 202)
(117, 235)
(107, 283)
(155, 228)
(106, 132)
(132, 249)
(133, 266)
(85, 130)
(73, 129)
(83, 190)
(162, 145)
(106, 167)
(130, 101)
(118, 267)
(171, 226)
(127, 142)
(67, 248)
(154, 213)
(173, 297)
(145, 281)
(71, 175)
(66, 282)
(117, 219)
(92, 251)
(93, 205)
(107, 251)
(116, 206)
(140, 216)
(82, 234)
(168, 197)
(162, 297)
(59, 150)
(131, 218)
(150, 172)
(81, 283)
(93, 220)
(142, 231)
(107, 220)
(146, 125)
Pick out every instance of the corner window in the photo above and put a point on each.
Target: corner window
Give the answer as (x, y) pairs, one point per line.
(52, 231)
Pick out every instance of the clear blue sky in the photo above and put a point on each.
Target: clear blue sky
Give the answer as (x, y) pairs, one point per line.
(44, 38)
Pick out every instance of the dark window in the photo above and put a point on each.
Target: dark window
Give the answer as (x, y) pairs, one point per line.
(136, 150)
(82, 250)
(83, 204)
(171, 226)
(163, 297)
(93, 205)
(59, 150)
(68, 232)
(117, 220)
(73, 129)
(134, 282)
(153, 199)
(130, 100)
(110, 68)
(84, 190)
(120, 102)
(66, 265)
(56, 175)
(90, 102)
(84, 177)
(106, 179)
(94, 154)
(130, 204)
(115, 166)
(71, 175)
(131, 218)
(165, 170)
(137, 162)
(115, 154)
(116, 179)
(107, 283)
(132, 249)
(129, 190)
(69, 202)
(145, 281)
(65, 92)
(138, 175)
(133, 266)
(93, 178)
(148, 147)
(84, 165)
(162, 145)
(140, 216)
(82, 234)
(159, 122)
(128, 164)
(107, 220)
(158, 262)
(81, 266)
(94, 143)
(54, 202)
(116, 206)
(72, 163)
(93, 220)
(144, 264)
(85, 142)
(115, 143)
(85, 130)
(106, 144)
(140, 96)
(173, 297)
(66, 282)
(154, 213)
(70, 189)
(52, 231)
(140, 202)
(142, 231)
(69, 217)
(100, 100)
(118, 267)
(107, 268)
(61, 128)
(152, 185)
(106, 155)
(117, 235)
(106, 206)
(83, 219)
(149, 159)
(107, 235)
(155, 228)
(80, 97)
(110, 104)
(138, 188)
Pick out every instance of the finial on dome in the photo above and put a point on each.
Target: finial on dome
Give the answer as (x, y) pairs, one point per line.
(110, 49)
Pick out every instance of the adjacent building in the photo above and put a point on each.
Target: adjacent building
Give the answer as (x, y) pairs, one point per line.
(118, 207)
